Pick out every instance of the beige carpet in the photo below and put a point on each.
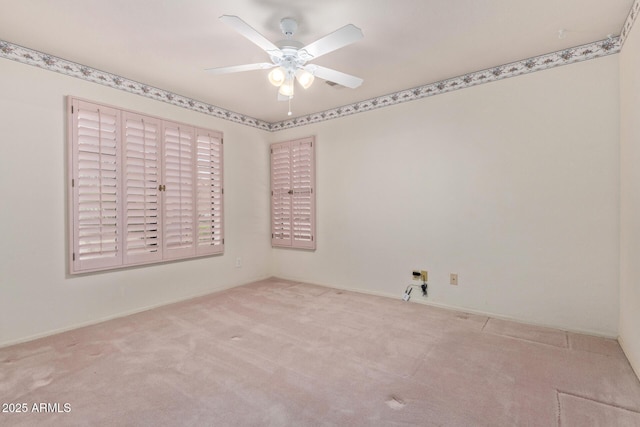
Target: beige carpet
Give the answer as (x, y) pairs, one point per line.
(277, 353)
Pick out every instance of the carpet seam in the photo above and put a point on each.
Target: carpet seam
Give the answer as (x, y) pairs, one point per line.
(559, 408)
(613, 405)
(485, 324)
(525, 340)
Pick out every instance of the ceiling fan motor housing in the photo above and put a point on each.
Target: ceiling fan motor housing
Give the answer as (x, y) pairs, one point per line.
(288, 26)
(290, 57)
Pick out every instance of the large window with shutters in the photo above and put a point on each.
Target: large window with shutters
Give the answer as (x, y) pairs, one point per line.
(293, 194)
(142, 189)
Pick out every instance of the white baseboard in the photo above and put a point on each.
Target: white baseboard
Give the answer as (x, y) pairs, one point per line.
(119, 315)
(458, 308)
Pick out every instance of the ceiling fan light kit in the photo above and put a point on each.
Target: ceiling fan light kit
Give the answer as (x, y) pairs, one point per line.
(305, 78)
(286, 88)
(289, 57)
(283, 78)
(277, 76)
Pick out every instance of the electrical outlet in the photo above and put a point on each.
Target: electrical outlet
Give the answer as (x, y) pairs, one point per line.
(238, 262)
(453, 279)
(424, 275)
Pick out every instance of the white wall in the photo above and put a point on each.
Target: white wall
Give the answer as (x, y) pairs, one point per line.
(513, 185)
(630, 195)
(36, 295)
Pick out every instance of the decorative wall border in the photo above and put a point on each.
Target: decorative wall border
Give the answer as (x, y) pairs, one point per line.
(530, 65)
(568, 56)
(69, 68)
(628, 24)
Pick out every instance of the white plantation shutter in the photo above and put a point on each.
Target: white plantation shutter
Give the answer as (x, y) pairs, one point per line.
(302, 199)
(292, 194)
(209, 192)
(95, 154)
(179, 195)
(281, 227)
(141, 159)
(142, 190)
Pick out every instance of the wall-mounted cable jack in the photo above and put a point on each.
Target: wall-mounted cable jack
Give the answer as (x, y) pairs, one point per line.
(407, 292)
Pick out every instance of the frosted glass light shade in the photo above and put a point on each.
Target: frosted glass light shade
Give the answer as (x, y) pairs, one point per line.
(286, 89)
(305, 78)
(277, 76)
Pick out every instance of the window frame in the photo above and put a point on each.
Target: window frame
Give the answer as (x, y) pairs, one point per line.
(293, 194)
(204, 182)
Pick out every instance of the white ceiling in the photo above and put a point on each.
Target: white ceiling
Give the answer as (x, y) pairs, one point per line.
(407, 43)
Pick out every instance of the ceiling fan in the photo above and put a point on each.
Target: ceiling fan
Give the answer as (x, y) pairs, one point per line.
(289, 57)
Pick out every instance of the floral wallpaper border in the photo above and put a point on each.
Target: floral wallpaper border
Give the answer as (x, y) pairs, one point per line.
(633, 14)
(530, 65)
(568, 56)
(69, 68)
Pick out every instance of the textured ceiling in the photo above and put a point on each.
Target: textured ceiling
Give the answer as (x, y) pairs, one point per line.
(407, 43)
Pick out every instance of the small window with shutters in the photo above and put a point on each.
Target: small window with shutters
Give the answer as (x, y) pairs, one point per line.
(293, 194)
(143, 189)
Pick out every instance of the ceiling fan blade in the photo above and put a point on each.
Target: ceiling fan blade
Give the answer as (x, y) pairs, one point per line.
(246, 30)
(334, 76)
(239, 68)
(339, 38)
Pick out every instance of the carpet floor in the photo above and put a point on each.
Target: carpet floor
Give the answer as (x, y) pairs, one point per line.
(279, 353)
